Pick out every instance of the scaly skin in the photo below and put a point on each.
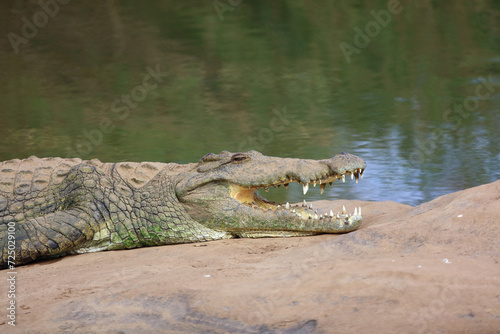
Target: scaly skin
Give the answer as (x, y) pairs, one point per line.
(52, 207)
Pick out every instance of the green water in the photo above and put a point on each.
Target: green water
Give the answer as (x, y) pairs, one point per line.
(413, 87)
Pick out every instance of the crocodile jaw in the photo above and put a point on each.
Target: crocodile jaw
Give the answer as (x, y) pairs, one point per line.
(242, 212)
(248, 196)
(221, 194)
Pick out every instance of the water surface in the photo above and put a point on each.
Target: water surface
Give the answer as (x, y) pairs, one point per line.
(415, 91)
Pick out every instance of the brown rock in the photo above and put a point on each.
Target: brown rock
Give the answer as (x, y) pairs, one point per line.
(433, 268)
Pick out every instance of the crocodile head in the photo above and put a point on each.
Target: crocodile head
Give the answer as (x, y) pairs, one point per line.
(220, 193)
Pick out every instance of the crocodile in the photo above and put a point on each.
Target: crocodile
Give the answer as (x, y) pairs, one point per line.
(51, 207)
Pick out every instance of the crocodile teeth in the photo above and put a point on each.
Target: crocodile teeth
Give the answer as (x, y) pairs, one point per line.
(343, 177)
(322, 186)
(317, 216)
(352, 176)
(305, 188)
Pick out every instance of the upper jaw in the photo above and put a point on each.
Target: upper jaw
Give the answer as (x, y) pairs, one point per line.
(322, 181)
(261, 171)
(307, 172)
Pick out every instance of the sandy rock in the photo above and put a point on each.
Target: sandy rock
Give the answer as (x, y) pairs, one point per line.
(433, 268)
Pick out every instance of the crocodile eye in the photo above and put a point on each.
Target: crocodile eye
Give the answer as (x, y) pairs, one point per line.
(238, 157)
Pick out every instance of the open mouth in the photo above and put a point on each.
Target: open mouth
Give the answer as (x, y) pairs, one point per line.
(248, 195)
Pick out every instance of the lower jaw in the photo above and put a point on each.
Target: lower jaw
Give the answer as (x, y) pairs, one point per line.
(247, 220)
(304, 210)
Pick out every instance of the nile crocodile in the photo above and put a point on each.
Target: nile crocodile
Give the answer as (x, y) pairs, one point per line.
(51, 207)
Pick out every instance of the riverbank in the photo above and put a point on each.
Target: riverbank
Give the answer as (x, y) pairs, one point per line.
(430, 268)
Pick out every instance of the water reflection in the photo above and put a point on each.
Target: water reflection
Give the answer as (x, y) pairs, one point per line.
(267, 76)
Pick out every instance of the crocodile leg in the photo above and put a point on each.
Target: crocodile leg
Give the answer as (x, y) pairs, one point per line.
(51, 235)
(59, 232)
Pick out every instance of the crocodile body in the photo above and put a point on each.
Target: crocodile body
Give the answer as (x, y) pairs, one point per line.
(51, 207)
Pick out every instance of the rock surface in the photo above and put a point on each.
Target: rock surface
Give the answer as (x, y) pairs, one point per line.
(433, 268)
